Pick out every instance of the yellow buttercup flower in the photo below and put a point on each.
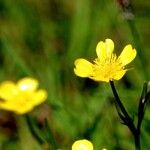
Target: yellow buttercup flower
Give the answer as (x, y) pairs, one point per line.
(107, 66)
(82, 145)
(21, 97)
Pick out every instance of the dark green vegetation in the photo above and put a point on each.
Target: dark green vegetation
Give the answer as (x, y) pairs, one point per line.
(42, 38)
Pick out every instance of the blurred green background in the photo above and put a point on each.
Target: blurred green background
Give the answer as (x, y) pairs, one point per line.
(42, 38)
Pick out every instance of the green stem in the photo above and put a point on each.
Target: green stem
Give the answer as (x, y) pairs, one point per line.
(49, 136)
(137, 141)
(25, 136)
(34, 129)
(127, 120)
(118, 99)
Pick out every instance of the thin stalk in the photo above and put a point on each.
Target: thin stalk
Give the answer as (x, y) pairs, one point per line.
(127, 120)
(137, 141)
(49, 136)
(129, 16)
(26, 139)
(34, 130)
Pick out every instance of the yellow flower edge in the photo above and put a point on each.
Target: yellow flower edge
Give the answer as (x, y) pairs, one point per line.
(107, 66)
(82, 145)
(21, 97)
(28, 83)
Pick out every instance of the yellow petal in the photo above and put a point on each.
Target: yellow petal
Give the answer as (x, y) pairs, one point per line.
(127, 55)
(27, 101)
(101, 50)
(19, 105)
(10, 105)
(24, 108)
(28, 84)
(82, 145)
(21, 97)
(7, 90)
(27, 107)
(109, 46)
(119, 74)
(97, 78)
(105, 49)
(39, 97)
(83, 68)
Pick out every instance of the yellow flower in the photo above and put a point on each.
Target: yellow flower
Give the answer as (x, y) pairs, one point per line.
(107, 66)
(21, 97)
(82, 145)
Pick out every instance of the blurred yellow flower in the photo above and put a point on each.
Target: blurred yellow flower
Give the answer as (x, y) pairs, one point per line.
(21, 97)
(107, 66)
(82, 145)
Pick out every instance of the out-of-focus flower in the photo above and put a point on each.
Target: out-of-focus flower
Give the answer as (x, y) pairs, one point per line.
(82, 145)
(21, 97)
(107, 66)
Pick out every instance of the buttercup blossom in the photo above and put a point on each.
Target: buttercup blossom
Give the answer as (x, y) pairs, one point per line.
(82, 145)
(21, 97)
(107, 66)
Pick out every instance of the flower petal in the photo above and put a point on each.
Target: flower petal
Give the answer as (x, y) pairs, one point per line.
(109, 46)
(101, 50)
(105, 49)
(82, 145)
(28, 84)
(119, 74)
(7, 90)
(83, 68)
(39, 97)
(127, 55)
(7, 105)
(21, 97)
(100, 78)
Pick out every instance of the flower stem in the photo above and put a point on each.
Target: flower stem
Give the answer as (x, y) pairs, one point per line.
(127, 120)
(26, 139)
(118, 100)
(34, 129)
(137, 141)
(49, 136)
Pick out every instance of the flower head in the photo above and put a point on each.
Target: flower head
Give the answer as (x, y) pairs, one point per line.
(21, 97)
(82, 145)
(107, 66)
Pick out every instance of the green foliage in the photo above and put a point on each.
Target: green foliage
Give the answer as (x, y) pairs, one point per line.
(42, 39)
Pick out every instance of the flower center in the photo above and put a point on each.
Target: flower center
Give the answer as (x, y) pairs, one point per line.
(108, 68)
